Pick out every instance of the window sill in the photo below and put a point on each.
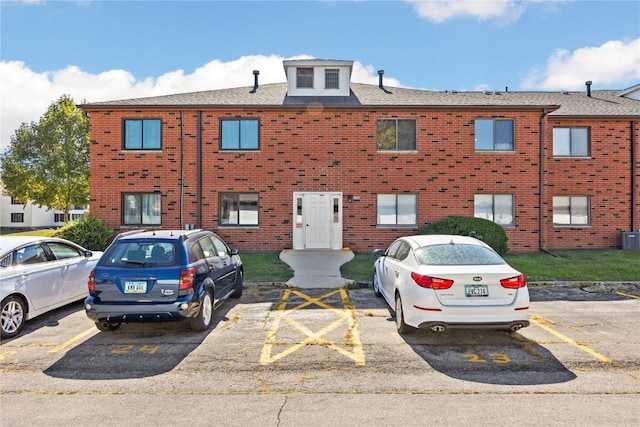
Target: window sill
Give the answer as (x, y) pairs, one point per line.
(396, 226)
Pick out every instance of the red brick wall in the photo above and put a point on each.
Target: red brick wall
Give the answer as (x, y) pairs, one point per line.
(335, 150)
(605, 177)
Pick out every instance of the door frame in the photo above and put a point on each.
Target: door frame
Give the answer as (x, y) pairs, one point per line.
(333, 213)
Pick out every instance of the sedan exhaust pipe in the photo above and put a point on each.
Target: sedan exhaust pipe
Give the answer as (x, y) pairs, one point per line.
(438, 328)
(515, 327)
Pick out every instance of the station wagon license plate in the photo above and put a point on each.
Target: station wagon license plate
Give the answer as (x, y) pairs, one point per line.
(476, 290)
(137, 287)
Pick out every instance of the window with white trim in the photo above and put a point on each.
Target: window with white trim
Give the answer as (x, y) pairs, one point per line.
(332, 78)
(570, 210)
(142, 134)
(494, 207)
(397, 209)
(571, 142)
(494, 134)
(396, 135)
(141, 208)
(238, 209)
(304, 78)
(239, 134)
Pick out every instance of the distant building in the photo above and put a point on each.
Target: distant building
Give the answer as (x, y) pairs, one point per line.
(321, 162)
(15, 214)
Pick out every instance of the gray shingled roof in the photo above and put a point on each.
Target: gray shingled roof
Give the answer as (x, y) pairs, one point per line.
(601, 102)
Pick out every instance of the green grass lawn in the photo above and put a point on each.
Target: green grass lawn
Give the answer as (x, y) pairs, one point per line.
(569, 265)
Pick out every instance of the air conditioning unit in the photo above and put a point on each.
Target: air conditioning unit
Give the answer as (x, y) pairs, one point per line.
(631, 240)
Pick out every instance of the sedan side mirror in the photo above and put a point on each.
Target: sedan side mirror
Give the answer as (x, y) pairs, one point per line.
(88, 254)
(378, 253)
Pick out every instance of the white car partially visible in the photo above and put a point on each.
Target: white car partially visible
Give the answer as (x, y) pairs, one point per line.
(440, 282)
(39, 274)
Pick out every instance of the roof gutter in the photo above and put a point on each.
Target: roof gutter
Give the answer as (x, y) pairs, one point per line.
(541, 230)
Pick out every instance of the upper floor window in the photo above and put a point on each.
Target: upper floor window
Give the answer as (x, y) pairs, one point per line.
(494, 134)
(570, 210)
(494, 207)
(141, 208)
(142, 134)
(304, 78)
(15, 202)
(332, 79)
(396, 134)
(240, 134)
(397, 209)
(571, 142)
(238, 209)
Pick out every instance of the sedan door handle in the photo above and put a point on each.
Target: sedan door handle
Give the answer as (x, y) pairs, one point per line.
(397, 273)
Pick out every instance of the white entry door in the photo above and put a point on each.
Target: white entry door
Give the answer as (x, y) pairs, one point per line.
(317, 221)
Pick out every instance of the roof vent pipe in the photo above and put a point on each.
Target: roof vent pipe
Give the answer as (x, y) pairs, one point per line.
(588, 88)
(255, 81)
(380, 85)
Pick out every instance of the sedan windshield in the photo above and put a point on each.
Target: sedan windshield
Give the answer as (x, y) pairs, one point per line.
(457, 254)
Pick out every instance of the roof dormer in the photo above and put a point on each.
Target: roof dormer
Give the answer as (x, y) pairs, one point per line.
(318, 77)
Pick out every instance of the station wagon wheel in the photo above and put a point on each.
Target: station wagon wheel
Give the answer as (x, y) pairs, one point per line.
(12, 316)
(237, 293)
(203, 319)
(402, 327)
(376, 284)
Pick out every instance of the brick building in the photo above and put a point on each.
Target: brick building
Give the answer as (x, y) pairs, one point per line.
(321, 162)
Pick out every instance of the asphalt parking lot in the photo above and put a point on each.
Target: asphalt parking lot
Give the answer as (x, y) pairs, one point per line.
(327, 346)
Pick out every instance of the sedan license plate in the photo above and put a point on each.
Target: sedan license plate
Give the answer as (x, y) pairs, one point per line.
(137, 287)
(476, 290)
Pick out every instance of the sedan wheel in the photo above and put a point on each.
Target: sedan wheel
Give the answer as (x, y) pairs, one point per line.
(12, 317)
(376, 284)
(203, 320)
(402, 327)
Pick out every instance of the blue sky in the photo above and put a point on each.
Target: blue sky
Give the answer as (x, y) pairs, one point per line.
(106, 50)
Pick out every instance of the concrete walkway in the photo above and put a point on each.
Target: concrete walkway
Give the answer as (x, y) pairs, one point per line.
(316, 268)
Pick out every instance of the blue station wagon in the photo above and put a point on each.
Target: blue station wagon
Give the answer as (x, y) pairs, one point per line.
(163, 276)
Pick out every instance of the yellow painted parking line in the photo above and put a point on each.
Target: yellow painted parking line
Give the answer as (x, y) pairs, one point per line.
(542, 323)
(627, 295)
(345, 315)
(68, 343)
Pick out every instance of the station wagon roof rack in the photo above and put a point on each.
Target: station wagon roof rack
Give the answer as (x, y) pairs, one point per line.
(190, 233)
(129, 233)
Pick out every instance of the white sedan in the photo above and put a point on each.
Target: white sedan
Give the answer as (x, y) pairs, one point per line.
(439, 282)
(39, 274)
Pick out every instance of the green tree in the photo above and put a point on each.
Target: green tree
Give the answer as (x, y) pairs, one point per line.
(48, 162)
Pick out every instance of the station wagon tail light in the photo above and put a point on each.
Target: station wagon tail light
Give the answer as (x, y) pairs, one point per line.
(514, 282)
(431, 282)
(186, 278)
(91, 284)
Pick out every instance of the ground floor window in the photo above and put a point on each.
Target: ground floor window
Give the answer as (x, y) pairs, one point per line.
(238, 209)
(397, 209)
(141, 208)
(17, 217)
(570, 210)
(494, 207)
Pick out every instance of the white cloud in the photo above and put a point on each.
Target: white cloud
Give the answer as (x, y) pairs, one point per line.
(614, 62)
(503, 11)
(26, 95)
